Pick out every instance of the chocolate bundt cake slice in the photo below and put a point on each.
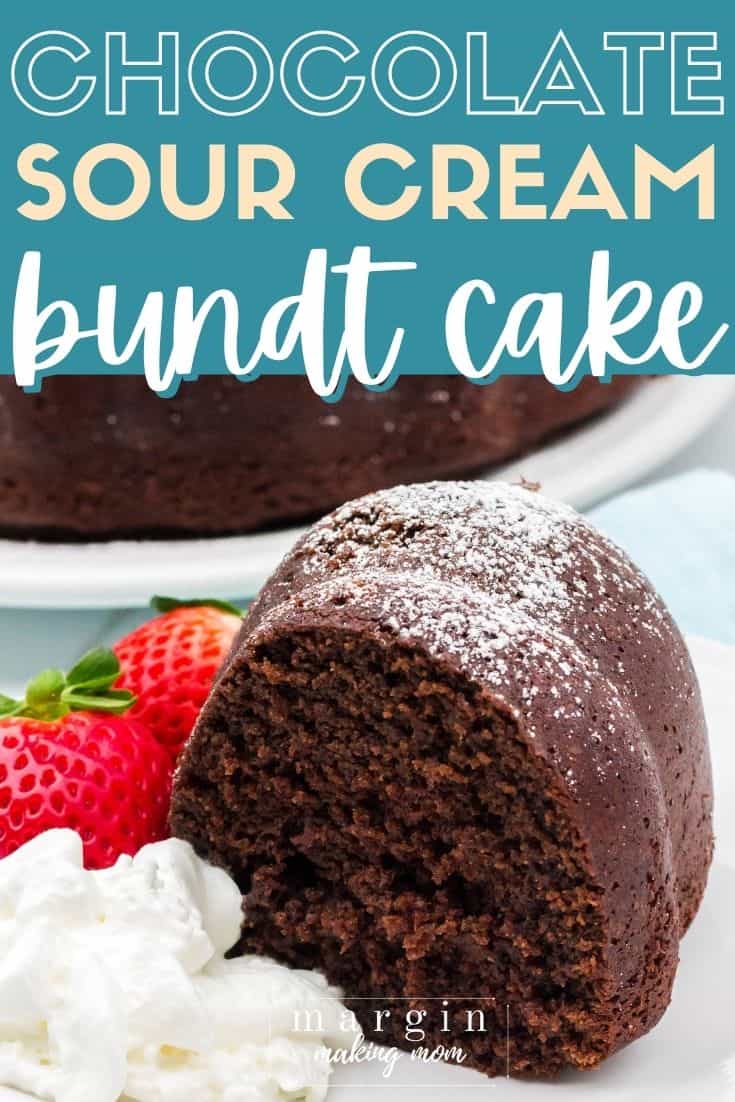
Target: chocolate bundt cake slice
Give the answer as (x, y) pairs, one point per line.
(458, 753)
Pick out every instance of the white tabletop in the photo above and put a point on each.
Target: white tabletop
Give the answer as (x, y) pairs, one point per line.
(33, 640)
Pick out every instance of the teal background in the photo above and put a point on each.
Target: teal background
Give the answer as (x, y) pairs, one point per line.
(263, 260)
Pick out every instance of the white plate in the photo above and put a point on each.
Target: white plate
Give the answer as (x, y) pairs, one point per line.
(690, 1056)
(581, 468)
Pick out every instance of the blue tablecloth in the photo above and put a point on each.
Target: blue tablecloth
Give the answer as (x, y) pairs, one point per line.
(681, 533)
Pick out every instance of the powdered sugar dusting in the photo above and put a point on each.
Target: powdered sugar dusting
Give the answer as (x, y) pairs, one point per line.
(495, 647)
(533, 554)
(519, 590)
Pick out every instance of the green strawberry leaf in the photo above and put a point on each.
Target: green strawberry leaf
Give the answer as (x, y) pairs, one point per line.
(115, 702)
(87, 687)
(45, 688)
(98, 669)
(8, 706)
(169, 604)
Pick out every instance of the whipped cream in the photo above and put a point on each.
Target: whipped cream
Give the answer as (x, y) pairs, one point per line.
(114, 985)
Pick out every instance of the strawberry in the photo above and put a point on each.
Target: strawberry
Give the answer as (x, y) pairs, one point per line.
(71, 757)
(169, 664)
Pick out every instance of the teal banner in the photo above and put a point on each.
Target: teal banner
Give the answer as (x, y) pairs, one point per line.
(371, 190)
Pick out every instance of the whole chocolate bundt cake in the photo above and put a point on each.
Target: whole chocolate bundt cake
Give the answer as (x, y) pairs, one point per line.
(458, 751)
(104, 457)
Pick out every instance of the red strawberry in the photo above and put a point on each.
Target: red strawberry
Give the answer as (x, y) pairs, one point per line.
(169, 664)
(69, 757)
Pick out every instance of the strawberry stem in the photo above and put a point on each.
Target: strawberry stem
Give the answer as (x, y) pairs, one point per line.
(87, 687)
(168, 604)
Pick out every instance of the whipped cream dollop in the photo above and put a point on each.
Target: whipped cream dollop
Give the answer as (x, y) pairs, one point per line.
(114, 985)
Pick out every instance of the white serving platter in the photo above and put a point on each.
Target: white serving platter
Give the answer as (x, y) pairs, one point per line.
(582, 468)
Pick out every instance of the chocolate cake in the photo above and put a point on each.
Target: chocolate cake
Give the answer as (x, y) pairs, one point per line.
(458, 751)
(104, 457)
